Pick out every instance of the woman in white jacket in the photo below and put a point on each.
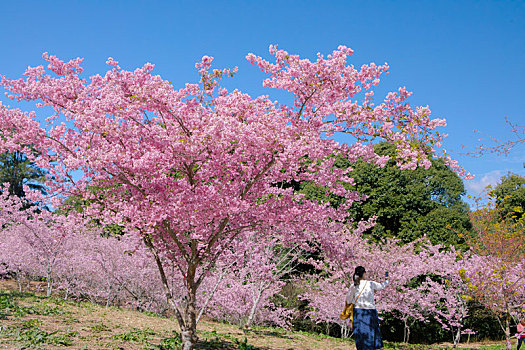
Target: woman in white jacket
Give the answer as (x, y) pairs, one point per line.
(367, 335)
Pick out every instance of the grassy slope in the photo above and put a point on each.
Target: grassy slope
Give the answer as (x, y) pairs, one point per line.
(35, 322)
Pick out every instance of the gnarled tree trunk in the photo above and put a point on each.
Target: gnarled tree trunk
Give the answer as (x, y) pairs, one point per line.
(188, 320)
(186, 311)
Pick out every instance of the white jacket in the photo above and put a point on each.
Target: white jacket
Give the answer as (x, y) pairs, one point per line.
(366, 298)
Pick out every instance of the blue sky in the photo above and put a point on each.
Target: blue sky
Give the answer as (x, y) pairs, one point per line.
(465, 59)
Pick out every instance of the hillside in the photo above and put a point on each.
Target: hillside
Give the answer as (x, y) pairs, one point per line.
(31, 321)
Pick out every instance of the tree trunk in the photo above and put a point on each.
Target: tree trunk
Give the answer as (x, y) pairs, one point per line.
(18, 282)
(49, 273)
(185, 312)
(49, 283)
(189, 326)
(406, 332)
(507, 332)
(457, 338)
(253, 311)
(345, 330)
(210, 296)
(49, 288)
(109, 295)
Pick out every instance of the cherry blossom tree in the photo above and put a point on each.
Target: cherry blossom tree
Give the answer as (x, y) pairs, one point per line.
(498, 286)
(243, 302)
(348, 249)
(446, 289)
(406, 299)
(189, 170)
(325, 302)
(338, 255)
(111, 270)
(32, 239)
(74, 257)
(451, 307)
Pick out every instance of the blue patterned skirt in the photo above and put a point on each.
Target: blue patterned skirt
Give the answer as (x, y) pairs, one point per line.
(366, 329)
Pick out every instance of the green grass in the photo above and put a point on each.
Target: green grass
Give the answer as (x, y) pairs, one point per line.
(135, 335)
(10, 307)
(29, 335)
(169, 344)
(403, 346)
(99, 327)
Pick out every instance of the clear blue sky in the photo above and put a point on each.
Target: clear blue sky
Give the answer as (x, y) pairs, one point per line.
(465, 59)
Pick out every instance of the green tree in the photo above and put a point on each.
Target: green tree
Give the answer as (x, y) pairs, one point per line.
(17, 170)
(407, 203)
(510, 196)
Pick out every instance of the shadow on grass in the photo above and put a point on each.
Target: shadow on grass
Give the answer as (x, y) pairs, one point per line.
(272, 332)
(216, 340)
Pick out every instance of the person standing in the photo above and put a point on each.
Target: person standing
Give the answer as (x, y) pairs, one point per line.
(521, 333)
(367, 334)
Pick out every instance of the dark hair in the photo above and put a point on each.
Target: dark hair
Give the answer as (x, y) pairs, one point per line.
(358, 274)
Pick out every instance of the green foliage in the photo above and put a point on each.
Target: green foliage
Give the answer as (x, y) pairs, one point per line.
(78, 205)
(10, 307)
(420, 332)
(7, 305)
(99, 327)
(173, 343)
(510, 196)
(483, 322)
(18, 171)
(407, 203)
(30, 335)
(136, 335)
(492, 347)
(406, 346)
(290, 297)
(243, 345)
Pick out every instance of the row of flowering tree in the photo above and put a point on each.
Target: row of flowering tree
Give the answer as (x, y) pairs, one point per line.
(188, 171)
(33, 240)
